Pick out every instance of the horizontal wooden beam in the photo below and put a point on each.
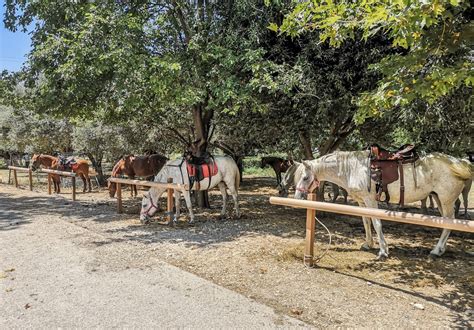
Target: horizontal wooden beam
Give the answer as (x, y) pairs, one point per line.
(405, 217)
(21, 169)
(177, 186)
(63, 173)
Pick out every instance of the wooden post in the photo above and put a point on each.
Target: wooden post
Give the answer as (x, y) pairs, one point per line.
(73, 180)
(15, 178)
(119, 197)
(30, 178)
(49, 184)
(310, 232)
(169, 206)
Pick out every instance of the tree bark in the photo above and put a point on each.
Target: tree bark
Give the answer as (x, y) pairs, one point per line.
(202, 123)
(338, 134)
(97, 165)
(305, 141)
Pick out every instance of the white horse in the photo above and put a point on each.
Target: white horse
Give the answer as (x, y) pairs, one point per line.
(227, 177)
(436, 173)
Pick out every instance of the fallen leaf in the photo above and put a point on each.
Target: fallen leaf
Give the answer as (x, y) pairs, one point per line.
(10, 270)
(27, 306)
(296, 311)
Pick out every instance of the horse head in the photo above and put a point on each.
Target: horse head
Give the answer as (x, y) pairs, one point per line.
(35, 162)
(307, 183)
(118, 168)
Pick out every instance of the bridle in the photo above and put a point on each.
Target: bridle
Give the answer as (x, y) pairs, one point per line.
(314, 185)
(146, 213)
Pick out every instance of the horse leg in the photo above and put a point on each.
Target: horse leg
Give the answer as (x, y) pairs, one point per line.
(187, 199)
(440, 247)
(423, 205)
(377, 223)
(369, 241)
(446, 210)
(223, 189)
(344, 193)
(457, 206)
(177, 205)
(88, 181)
(465, 198)
(57, 183)
(230, 183)
(335, 191)
(84, 182)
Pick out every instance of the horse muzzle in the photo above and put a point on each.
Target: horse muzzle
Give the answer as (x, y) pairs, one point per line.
(144, 219)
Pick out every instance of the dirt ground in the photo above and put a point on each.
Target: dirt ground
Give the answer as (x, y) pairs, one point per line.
(260, 256)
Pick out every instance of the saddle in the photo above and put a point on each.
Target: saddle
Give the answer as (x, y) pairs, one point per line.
(200, 168)
(67, 163)
(387, 167)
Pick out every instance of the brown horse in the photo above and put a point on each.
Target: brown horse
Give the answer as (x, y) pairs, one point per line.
(81, 168)
(278, 164)
(131, 166)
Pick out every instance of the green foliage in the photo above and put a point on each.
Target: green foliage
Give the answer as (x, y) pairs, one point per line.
(433, 39)
(25, 131)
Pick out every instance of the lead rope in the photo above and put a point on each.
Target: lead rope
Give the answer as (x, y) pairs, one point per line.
(319, 258)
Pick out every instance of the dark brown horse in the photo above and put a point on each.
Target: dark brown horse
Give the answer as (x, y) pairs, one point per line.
(81, 168)
(132, 166)
(278, 164)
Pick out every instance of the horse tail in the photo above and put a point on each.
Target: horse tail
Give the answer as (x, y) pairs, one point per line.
(237, 179)
(462, 171)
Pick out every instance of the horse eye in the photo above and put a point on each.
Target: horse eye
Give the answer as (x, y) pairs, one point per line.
(306, 178)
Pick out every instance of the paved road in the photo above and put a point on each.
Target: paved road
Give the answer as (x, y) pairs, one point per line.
(48, 279)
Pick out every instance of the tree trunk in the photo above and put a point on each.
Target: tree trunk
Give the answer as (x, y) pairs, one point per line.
(97, 165)
(202, 123)
(338, 134)
(305, 141)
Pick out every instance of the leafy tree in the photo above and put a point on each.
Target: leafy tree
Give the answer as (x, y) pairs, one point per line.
(433, 40)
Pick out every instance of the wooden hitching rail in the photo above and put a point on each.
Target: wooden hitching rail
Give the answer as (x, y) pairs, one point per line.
(411, 218)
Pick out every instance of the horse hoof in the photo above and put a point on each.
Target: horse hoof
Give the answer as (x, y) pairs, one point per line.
(366, 247)
(382, 256)
(434, 255)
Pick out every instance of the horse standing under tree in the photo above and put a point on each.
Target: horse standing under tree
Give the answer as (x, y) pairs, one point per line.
(80, 167)
(226, 176)
(132, 166)
(288, 181)
(278, 164)
(437, 174)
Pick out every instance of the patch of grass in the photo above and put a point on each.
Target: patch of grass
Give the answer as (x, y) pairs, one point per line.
(257, 171)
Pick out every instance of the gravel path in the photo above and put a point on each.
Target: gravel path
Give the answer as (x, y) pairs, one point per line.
(50, 278)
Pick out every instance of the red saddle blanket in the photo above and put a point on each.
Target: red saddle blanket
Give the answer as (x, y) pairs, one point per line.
(202, 171)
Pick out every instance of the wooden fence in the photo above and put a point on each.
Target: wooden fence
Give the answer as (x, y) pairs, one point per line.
(170, 187)
(61, 173)
(311, 205)
(16, 169)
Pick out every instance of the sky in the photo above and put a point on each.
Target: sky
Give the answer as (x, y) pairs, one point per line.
(13, 46)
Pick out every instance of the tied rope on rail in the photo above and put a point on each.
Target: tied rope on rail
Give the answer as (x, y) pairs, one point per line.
(319, 258)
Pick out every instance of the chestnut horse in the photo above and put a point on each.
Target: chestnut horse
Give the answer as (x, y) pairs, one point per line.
(131, 166)
(46, 161)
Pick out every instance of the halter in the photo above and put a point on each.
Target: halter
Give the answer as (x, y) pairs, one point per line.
(311, 187)
(148, 210)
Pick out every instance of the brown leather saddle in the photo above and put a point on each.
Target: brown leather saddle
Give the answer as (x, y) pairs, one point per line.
(387, 167)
